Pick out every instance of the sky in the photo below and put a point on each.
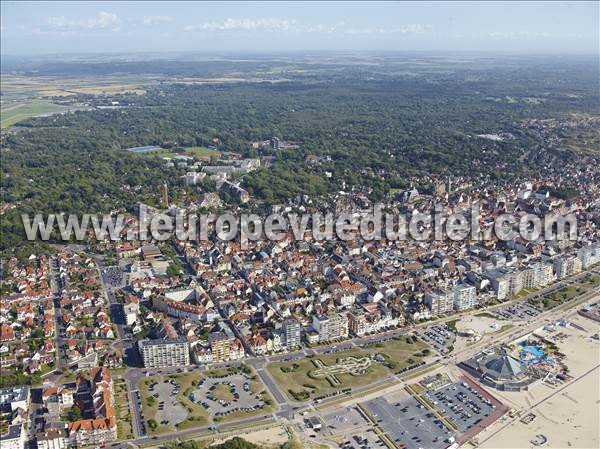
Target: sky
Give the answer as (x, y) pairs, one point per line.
(262, 27)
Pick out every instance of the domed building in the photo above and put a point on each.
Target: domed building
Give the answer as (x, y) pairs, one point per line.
(505, 367)
(498, 369)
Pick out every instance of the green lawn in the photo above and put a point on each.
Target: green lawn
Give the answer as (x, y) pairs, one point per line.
(486, 315)
(592, 282)
(256, 387)
(223, 392)
(124, 429)
(4, 423)
(197, 415)
(268, 408)
(13, 113)
(555, 299)
(397, 352)
(452, 324)
(552, 300)
(150, 405)
(201, 151)
(198, 152)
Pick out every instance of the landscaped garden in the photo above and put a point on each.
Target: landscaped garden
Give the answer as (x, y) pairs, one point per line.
(309, 378)
(124, 428)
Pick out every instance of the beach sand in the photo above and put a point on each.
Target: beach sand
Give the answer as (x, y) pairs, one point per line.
(568, 415)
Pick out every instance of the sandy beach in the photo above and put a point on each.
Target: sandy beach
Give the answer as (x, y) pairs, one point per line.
(567, 415)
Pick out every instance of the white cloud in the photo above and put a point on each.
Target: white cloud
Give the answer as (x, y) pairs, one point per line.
(103, 21)
(517, 35)
(156, 20)
(244, 25)
(324, 28)
(411, 28)
(266, 24)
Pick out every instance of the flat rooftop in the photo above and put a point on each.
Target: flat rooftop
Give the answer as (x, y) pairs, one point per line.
(13, 394)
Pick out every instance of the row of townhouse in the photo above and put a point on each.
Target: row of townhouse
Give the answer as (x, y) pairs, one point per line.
(95, 393)
(102, 428)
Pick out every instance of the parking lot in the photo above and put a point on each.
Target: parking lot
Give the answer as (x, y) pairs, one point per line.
(238, 390)
(517, 312)
(462, 404)
(169, 410)
(343, 421)
(439, 337)
(409, 424)
(113, 277)
(363, 440)
(137, 410)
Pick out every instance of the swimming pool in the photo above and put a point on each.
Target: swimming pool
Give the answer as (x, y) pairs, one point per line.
(531, 353)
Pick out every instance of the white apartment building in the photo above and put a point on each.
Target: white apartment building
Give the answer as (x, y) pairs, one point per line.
(589, 255)
(292, 333)
(465, 297)
(515, 282)
(14, 437)
(331, 327)
(505, 282)
(439, 302)
(567, 266)
(536, 276)
(131, 309)
(12, 398)
(52, 439)
(163, 353)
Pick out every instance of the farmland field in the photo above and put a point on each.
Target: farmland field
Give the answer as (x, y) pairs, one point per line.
(15, 112)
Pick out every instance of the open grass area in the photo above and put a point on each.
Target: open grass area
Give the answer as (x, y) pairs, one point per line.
(197, 152)
(523, 293)
(593, 282)
(256, 387)
(124, 428)
(163, 153)
(296, 379)
(268, 408)
(582, 140)
(452, 324)
(486, 315)
(554, 299)
(197, 415)
(4, 423)
(223, 392)
(150, 406)
(201, 151)
(14, 112)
